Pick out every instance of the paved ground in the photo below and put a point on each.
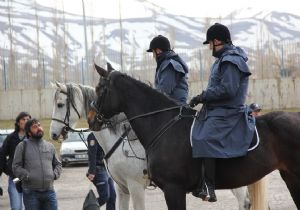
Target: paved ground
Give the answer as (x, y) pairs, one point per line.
(73, 186)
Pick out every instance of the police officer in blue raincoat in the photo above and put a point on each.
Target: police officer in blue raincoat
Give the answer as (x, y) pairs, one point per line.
(223, 128)
(171, 71)
(98, 174)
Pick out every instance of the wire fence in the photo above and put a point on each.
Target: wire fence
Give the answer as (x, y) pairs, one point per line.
(19, 71)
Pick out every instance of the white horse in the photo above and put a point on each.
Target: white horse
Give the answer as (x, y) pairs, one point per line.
(127, 164)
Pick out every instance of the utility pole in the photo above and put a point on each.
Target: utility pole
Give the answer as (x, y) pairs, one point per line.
(86, 44)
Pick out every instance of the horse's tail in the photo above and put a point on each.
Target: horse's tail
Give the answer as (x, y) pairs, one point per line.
(258, 195)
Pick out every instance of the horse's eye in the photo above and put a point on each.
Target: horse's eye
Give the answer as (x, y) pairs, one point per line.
(60, 105)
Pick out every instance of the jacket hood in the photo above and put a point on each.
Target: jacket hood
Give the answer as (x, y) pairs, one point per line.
(234, 50)
(171, 55)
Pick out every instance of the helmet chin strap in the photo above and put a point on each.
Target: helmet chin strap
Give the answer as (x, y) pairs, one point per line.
(214, 48)
(156, 55)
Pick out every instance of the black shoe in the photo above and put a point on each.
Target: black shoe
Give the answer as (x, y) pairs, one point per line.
(201, 192)
(211, 193)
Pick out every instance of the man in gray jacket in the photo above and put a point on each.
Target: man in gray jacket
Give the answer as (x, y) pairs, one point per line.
(36, 164)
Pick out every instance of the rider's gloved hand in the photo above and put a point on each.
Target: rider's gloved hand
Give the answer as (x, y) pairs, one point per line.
(196, 100)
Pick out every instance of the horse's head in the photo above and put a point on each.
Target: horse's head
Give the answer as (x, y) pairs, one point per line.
(107, 103)
(67, 109)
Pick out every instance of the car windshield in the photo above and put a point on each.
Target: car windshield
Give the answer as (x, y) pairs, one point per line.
(73, 137)
(2, 137)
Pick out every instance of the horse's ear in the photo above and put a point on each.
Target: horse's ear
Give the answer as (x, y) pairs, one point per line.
(102, 72)
(61, 86)
(53, 85)
(109, 67)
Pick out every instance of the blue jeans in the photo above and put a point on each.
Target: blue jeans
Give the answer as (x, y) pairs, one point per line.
(105, 188)
(36, 200)
(15, 198)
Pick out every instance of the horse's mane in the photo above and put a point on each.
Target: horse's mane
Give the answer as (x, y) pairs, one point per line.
(150, 91)
(74, 89)
(89, 95)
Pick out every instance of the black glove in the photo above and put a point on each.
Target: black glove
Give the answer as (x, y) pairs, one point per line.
(196, 100)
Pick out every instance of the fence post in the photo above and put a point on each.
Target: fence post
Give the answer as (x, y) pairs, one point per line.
(82, 74)
(4, 75)
(44, 73)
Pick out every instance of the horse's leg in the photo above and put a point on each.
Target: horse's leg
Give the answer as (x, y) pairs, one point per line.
(175, 197)
(137, 194)
(258, 195)
(293, 184)
(123, 198)
(242, 197)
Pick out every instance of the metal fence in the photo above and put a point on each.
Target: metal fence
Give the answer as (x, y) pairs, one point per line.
(19, 71)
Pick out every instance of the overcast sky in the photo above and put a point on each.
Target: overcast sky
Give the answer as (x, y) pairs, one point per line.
(193, 8)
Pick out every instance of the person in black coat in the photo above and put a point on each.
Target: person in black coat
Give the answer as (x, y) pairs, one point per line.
(97, 174)
(7, 155)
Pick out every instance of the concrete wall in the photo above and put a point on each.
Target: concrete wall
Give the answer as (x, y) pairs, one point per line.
(37, 102)
(270, 93)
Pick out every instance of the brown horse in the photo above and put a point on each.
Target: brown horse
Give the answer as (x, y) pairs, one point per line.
(164, 129)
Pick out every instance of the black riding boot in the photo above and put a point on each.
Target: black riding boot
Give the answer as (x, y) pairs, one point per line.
(206, 188)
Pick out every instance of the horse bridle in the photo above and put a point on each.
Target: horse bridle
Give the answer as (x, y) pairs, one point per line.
(66, 120)
(95, 104)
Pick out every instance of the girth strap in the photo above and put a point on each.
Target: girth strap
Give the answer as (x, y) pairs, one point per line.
(117, 144)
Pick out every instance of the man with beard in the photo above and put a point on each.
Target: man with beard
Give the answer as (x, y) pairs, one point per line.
(37, 167)
(171, 71)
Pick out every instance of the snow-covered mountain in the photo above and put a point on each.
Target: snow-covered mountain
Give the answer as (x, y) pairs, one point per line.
(62, 34)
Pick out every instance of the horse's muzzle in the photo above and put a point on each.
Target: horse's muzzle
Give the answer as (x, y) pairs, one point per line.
(94, 123)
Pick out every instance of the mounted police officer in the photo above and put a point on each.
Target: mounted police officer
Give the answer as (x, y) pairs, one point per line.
(223, 128)
(97, 174)
(171, 71)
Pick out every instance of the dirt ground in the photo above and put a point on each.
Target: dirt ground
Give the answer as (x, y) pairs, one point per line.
(72, 187)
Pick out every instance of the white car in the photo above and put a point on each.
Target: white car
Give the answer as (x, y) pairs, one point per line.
(73, 149)
(3, 134)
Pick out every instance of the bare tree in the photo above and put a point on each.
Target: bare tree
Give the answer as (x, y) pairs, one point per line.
(121, 36)
(38, 56)
(56, 46)
(12, 77)
(65, 45)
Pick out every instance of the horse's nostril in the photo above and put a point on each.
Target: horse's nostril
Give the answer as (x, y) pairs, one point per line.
(54, 136)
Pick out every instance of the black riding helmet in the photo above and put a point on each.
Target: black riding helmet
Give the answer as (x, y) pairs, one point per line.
(219, 32)
(160, 42)
(255, 107)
